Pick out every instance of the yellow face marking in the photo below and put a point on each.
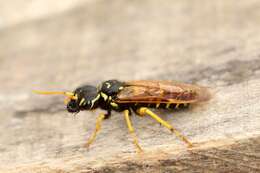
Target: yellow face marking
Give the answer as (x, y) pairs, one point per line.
(81, 101)
(66, 100)
(168, 105)
(120, 88)
(109, 98)
(104, 96)
(114, 104)
(177, 106)
(157, 105)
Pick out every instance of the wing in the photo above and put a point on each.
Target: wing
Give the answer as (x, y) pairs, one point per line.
(151, 91)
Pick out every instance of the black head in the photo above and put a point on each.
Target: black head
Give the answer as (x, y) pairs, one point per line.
(87, 98)
(73, 106)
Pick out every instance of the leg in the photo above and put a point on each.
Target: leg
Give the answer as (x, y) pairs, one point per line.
(142, 111)
(100, 118)
(131, 130)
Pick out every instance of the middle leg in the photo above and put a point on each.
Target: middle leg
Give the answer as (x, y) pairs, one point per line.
(131, 130)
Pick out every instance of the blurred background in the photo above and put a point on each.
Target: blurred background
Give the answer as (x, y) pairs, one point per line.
(59, 45)
(62, 44)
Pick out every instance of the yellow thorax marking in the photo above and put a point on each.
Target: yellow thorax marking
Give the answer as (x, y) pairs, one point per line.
(75, 97)
(94, 100)
(104, 96)
(114, 104)
(108, 84)
(82, 101)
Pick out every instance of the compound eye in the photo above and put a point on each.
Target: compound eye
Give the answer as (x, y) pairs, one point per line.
(72, 106)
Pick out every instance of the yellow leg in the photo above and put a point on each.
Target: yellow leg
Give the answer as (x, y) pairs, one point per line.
(131, 130)
(142, 111)
(100, 118)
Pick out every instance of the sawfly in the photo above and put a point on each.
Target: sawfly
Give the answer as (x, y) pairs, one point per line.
(133, 96)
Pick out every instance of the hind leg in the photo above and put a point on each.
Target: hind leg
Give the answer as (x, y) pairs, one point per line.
(145, 111)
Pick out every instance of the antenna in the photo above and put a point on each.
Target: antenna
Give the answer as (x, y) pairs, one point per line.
(68, 94)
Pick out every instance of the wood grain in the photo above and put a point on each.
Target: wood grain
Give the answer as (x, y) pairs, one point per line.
(215, 44)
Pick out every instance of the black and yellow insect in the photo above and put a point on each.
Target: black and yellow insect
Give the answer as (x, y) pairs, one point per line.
(133, 96)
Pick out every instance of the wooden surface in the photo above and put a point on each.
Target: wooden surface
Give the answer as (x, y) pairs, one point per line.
(215, 44)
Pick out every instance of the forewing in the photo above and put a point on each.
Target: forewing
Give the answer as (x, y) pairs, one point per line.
(145, 91)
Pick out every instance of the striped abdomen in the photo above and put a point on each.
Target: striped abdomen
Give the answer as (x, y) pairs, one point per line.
(161, 105)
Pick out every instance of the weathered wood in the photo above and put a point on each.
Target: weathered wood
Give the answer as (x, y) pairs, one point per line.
(210, 43)
(215, 156)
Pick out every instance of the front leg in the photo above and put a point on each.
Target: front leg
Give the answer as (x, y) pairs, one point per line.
(99, 120)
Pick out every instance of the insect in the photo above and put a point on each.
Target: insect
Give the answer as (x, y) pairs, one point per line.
(133, 96)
